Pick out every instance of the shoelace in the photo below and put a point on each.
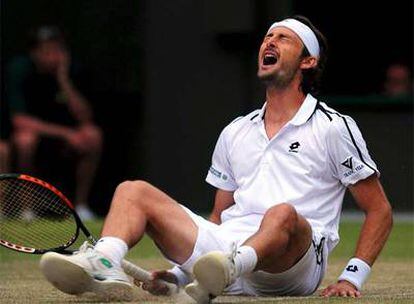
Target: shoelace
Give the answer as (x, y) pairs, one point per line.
(84, 247)
(233, 251)
(231, 257)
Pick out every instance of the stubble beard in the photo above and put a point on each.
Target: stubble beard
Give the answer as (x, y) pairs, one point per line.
(279, 79)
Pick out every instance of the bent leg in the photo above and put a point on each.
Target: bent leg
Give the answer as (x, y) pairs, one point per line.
(89, 150)
(4, 157)
(283, 238)
(25, 142)
(138, 207)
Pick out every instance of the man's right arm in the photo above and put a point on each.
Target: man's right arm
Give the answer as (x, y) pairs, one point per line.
(223, 200)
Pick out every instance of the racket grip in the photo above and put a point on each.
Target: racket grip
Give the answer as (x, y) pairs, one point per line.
(144, 276)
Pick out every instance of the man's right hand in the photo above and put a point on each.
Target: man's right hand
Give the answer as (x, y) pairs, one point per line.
(156, 287)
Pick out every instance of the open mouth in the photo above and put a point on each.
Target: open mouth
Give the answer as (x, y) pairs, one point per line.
(269, 59)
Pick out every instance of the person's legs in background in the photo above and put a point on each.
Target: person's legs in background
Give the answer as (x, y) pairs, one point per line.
(4, 156)
(88, 147)
(86, 141)
(25, 142)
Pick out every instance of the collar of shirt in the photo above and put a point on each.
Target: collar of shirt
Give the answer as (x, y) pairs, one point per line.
(304, 113)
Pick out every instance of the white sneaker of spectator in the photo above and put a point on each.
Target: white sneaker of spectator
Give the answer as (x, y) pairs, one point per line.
(84, 212)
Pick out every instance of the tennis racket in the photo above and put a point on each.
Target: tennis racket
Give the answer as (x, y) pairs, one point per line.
(36, 218)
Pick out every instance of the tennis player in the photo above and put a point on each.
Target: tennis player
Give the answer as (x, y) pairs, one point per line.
(281, 173)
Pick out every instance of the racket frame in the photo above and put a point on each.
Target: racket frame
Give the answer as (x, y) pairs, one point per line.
(79, 225)
(133, 270)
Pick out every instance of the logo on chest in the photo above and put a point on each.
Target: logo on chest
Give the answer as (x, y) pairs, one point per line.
(294, 147)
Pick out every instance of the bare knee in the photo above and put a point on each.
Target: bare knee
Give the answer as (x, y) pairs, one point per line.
(133, 191)
(4, 149)
(25, 141)
(93, 138)
(281, 217)
(134, 188)
(90, 140)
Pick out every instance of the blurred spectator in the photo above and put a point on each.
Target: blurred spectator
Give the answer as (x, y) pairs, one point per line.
(4, 156)
(398, 82)
(46, 101)
(4, 144)
(4, 138)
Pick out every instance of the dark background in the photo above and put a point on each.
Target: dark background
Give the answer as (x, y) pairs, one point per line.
(167, 76)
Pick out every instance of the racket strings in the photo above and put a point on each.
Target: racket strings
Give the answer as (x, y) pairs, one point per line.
(34, 216)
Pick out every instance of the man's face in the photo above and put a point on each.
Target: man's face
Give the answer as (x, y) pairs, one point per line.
(48, 55)
(279, 57)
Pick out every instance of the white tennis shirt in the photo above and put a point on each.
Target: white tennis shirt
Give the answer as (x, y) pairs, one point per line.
(308, 163)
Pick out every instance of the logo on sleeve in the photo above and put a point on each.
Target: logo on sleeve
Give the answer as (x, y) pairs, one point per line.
(294, 147)
(217, 173)
(348, 163)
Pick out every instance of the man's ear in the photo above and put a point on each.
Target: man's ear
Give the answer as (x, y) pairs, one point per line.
(308, 63)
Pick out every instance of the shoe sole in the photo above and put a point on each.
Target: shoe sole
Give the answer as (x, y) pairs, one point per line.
(210, 273)
(198, 293)
(73, 279)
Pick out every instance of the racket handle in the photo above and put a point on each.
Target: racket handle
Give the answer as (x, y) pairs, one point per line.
(145, 276)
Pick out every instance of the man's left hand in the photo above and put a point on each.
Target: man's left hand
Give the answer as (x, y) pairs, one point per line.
(341, 289)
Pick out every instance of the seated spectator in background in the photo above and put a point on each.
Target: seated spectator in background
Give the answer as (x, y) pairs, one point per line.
(4, 136)
(45, 101)
(4, 156)
(398, 82)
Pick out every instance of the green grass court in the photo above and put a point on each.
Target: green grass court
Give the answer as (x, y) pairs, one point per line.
(391, 281)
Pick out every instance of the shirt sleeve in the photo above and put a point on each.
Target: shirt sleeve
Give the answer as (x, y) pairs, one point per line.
(220, 174)
(350, 160)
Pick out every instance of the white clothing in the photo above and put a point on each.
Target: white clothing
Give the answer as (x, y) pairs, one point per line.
(301, 279)
(308, 164)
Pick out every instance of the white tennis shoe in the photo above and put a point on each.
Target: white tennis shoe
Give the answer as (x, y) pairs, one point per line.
(214, 272)
(86, 270)
(198, 293)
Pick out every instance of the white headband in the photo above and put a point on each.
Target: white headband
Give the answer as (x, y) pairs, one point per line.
(304, 32)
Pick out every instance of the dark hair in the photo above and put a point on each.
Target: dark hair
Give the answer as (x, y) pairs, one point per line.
(43, 34)
(312, 77)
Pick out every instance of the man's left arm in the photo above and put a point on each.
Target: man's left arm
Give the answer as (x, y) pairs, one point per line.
(78, 104)
(377, 225)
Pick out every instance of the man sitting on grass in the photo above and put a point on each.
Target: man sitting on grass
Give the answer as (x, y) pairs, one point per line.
(280, 172)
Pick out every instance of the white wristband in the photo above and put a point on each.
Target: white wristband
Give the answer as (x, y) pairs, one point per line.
(182, 278)
(356, 272)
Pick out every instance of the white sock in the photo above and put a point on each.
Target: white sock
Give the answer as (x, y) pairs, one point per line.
(245, 260)
(113, 248)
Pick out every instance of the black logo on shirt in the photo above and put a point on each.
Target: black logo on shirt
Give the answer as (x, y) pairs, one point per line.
(294, 147)
(351, 166)
(352, 268)
(348, 163)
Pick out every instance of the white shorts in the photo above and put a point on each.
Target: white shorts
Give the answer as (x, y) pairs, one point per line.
(301, 279)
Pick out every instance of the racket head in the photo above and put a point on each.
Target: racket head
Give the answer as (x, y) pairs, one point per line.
(35, 217)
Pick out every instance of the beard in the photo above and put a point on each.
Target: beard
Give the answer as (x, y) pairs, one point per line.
(281, 78)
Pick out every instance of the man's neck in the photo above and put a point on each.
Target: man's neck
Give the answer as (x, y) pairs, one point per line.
(282, 104)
